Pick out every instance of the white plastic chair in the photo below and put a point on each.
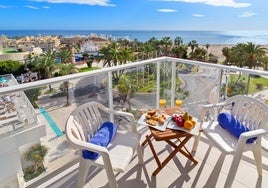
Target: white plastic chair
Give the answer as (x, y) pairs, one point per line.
(81, 125)
(253, 114)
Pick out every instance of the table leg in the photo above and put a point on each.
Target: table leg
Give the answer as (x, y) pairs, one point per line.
(161, 165)
(154, 153)
(173, 153)
(186, 153)
(147, 139)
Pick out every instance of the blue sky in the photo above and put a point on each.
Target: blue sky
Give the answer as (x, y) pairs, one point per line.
(219, 15)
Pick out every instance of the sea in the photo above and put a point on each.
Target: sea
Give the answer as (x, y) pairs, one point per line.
(202, 37)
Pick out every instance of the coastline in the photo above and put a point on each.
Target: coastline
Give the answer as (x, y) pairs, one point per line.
(202, 37)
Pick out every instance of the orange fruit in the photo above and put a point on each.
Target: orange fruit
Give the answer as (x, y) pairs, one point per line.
(188, 125)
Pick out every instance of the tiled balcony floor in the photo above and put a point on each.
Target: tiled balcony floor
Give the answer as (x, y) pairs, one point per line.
(210, 171)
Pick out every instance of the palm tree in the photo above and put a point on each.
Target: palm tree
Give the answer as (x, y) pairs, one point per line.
(85, 56)
(156, 44)
(237, 56)
(65, 56)
(110, 54)
(249, 53)
(127, 88)
(207, 46)
(46, 64)
(36, 154)
(226, 52)
(114, 55)
(178, 41)
(66, 69)
(253, 53)
(212, 58)
(180, 51)
(104, 55)
(193, 44)
(166, 43)
(199, 53)
(147, 51)
(126, 55)
(264, 62)
(90, 60)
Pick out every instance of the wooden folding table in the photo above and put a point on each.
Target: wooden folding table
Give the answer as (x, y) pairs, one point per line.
(167, 135)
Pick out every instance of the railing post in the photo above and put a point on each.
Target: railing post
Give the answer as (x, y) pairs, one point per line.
(158, 83)
(219, 85)
(248, 82)
(173, 83)
(226, 85)
(110, 93)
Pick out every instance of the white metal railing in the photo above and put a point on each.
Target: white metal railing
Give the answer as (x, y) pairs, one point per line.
(171, 65)
(108, 71)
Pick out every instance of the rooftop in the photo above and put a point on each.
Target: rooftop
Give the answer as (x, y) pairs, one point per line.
(16, 112)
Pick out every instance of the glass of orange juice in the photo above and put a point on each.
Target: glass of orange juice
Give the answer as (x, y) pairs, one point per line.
(178, 104)
(162, 103)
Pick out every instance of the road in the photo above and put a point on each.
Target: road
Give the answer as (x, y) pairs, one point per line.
(86, 89)
(199, 86)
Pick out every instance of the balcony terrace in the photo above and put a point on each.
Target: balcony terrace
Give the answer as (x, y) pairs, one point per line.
(170, 78)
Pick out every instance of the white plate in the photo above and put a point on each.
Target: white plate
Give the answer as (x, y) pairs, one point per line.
(194, 131)
(142, 121)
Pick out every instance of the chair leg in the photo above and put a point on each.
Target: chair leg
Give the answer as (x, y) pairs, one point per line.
(258, 158)
(233, 170)
(82, 173)
(196, 142)
(111, 178)
(139, 153)
(109, 171)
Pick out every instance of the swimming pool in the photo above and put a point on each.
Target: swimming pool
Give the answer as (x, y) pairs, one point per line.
(51, 122)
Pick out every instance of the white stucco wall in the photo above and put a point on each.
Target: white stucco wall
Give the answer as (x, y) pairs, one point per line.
(20, 56)
(12, 149)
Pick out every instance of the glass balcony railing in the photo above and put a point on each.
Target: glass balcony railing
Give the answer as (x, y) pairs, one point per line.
(133, 87)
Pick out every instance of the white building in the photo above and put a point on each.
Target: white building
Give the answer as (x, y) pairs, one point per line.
(19, 130)
(89, 47)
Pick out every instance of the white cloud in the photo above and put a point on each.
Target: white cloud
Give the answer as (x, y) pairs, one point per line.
(84, 2)
(226, 3)
(31, 7)
(3, 6)
(247, 14)
(46, 7)
(198, 15)
(166, 10)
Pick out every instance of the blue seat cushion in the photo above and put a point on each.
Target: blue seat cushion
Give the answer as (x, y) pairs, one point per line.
(232, 125)
(102, 137)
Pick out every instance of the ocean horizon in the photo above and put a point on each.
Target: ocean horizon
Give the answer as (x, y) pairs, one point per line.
(202, 37)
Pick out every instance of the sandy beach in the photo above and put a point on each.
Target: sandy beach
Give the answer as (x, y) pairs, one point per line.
(216, 49)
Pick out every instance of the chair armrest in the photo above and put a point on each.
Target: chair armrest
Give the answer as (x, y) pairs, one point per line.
(130, 117)
(92, 147)
(253, 133)
(250, 134)
(205, 106)
(213, 108)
